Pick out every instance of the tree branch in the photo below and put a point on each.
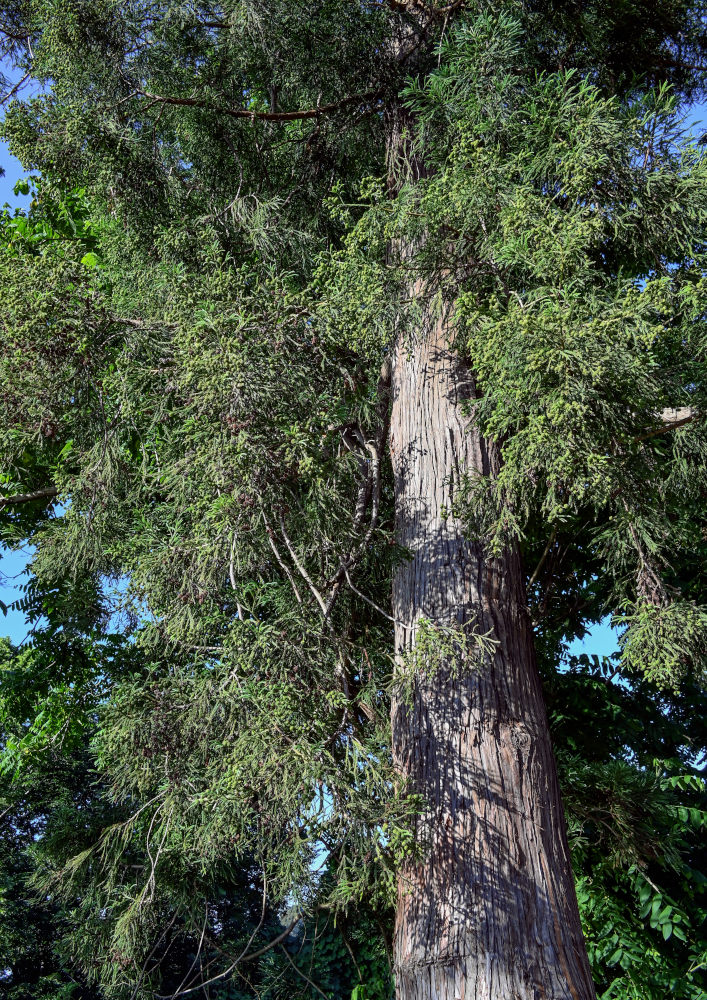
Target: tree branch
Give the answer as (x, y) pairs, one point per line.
(46, 493)
(276, 941)
(301, 570)
(370, 490)
(302, 974)
(373, 604)
(670, 425)
(141, 324)
(283, 566)
(234, 961)
(267, 116)
(11, 93)
(543, 557)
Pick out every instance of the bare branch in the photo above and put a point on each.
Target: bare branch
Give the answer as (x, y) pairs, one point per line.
(141, 324)
(301, 570)
(15, 89)
(234, 961)
(283, 566)
(373, 604)
(260, 923)
(543, 557)
(158, 942)
(300, 973)
(198, 950)
(275, 942)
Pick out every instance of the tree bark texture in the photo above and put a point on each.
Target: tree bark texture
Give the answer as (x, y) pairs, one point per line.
(488, 909)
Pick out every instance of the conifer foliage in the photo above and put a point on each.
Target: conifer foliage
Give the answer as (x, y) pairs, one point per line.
(199, 313)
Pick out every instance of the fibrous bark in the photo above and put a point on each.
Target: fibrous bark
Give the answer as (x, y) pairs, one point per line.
(487, 908)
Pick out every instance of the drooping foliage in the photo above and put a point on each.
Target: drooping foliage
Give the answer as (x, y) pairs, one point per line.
(198, 309)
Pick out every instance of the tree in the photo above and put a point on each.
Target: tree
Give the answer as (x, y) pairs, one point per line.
(53, 810)
(634, 806)
(505, 286)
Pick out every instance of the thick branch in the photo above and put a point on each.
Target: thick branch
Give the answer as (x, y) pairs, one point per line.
(45, 494)
(685, 415)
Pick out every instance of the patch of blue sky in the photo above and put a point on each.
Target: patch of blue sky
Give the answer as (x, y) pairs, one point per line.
(696, 119)
(13, 169)
(601, 640)
(13, 172)
(13, 574)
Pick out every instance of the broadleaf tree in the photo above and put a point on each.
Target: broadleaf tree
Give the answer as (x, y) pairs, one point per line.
(363, 345)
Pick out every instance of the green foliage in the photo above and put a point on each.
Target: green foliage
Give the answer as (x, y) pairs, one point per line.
(568, 230)
(440, 646)
(191, 363)
(629, 756)
(663, 641)
(55, 220)
(45, 801)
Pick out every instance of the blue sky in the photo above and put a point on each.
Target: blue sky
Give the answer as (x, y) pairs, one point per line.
(602, 640)
(13, 172)
(12, 566)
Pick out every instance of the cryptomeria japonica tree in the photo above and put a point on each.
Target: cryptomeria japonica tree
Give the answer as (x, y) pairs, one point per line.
(368, 345)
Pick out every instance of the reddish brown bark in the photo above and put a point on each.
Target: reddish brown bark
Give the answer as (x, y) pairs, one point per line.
(488, 910)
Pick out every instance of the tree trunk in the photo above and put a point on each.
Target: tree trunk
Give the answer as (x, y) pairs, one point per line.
(488, 908)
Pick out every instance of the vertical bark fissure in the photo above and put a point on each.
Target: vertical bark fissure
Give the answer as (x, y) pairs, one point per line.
(488, 908)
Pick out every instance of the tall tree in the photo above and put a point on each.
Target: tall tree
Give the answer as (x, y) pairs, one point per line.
(504, 288)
